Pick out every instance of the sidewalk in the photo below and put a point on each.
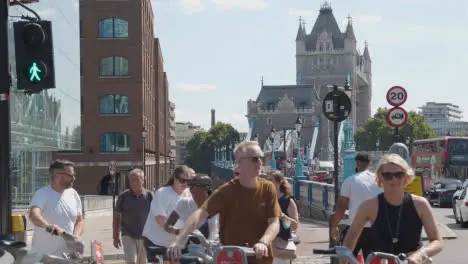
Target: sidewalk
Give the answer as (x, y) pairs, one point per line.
(100, 228)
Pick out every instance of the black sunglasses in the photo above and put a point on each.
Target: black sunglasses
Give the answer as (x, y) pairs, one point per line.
(388, 176)
(183, 180)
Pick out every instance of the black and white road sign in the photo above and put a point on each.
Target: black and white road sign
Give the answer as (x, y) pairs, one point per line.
(340, 100)
(397, 96)
(112, 167)
(397, 117)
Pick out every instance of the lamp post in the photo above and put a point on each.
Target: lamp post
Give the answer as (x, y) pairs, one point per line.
(299, 173)
(144, 134)
(223, 156)
(272, 144)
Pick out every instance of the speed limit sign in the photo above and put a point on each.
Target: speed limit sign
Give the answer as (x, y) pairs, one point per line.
(397, 96)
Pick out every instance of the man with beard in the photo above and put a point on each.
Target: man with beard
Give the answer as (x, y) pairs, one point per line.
(57, 206)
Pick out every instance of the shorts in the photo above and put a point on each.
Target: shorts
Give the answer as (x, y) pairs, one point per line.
(134, 250)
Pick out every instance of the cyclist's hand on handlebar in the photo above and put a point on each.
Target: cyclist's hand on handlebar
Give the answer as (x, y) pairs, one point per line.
(54, 230)
(174, 251)
(416, 258)
(261, 250)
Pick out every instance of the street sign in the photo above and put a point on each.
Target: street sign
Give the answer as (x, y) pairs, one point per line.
(397, 96)
(343, 102)
(416, 187)
(112, 167)
(397, 117)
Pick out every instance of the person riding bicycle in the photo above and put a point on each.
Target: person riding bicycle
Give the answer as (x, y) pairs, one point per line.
(397, 217)
(354, 191)
(247, 206)
(200, 187)
(56, 206)
(164, 201)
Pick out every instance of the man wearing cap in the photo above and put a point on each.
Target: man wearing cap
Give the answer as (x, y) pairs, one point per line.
(354, 191)
(200, 187)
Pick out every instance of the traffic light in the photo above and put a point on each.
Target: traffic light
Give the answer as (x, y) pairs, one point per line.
(34, 55)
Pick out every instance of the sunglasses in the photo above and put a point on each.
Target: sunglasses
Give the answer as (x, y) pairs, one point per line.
(254, 159)
(183, 180)
(388, 176)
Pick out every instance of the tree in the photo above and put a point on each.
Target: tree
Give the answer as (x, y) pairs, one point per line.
(201, 147)
(376, 128)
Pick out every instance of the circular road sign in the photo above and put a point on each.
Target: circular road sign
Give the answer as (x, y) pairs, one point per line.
(397, 96)
(342, 101)
(112, 166)
(397, 117)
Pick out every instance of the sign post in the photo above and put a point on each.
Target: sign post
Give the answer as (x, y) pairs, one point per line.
(112, 168)
(397, 116)
(336, 107)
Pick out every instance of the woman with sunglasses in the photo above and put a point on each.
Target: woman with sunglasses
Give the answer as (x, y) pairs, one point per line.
(164, 201)
(397, 217)
(200, 188)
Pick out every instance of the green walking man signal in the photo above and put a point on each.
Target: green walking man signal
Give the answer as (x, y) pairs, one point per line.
(34, 71)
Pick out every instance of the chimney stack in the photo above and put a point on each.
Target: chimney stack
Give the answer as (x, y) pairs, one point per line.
(213, 117)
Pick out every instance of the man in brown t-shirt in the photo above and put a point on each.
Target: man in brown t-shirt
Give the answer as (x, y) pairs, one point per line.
(247, 206)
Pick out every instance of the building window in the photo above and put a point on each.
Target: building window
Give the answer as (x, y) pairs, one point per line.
(269, 121)
(114, 104)
(113, 28)
(113, 66)
(115, 142)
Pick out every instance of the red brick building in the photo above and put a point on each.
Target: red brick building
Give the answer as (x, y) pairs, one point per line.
(124, 91)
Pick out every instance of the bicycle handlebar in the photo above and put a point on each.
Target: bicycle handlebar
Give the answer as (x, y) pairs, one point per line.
(330, 251)
(344, 253)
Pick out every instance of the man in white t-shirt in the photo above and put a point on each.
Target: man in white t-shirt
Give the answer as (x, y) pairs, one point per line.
(200, 188)
(354, 191)
(57, 206)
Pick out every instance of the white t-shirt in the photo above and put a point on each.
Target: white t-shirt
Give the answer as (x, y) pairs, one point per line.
(164, 202)
(187, 206)
(59, 209)
(358, 188)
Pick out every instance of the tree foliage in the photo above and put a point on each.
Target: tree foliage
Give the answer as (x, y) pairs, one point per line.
(376, 128)
(201, 147)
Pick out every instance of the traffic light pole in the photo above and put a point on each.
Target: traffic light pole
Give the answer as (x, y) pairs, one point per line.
(336, 164)
(5, 180)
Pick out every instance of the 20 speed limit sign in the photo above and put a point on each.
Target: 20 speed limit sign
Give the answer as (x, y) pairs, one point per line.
(397, 117)
(397, 96)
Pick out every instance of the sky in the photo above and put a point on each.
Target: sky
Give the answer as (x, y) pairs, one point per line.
(216, 51)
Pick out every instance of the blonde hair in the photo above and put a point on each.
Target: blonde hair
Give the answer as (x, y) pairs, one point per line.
(398, 161)
(242, 147)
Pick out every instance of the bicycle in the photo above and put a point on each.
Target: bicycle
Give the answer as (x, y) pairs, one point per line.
(341, 252)
(200, 250)
(73, 256)
(11, 250)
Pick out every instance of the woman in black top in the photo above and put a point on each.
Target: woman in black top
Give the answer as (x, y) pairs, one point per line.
(290, 218)
(397, 217)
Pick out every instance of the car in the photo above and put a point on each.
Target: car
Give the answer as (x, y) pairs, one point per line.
(461, 208)
(442, 192)
(457, 193)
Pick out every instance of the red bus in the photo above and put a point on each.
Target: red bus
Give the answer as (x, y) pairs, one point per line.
(443, 157)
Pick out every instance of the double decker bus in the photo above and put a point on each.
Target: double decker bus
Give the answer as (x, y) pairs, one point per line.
(443, 157)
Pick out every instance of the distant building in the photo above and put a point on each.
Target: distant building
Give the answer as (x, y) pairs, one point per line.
(444, 118)
(325, 55)
(184, 132)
